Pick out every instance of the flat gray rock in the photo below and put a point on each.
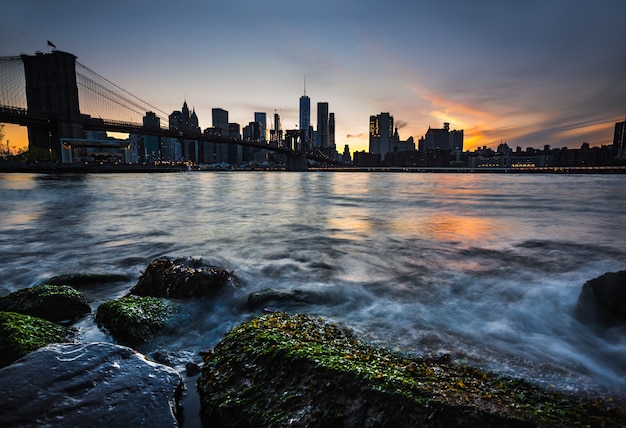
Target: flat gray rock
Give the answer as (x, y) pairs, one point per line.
(88, 384)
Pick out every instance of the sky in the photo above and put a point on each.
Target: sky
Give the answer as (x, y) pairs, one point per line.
(528, 73)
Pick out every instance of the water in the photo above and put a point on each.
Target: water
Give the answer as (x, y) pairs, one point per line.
(483, 268)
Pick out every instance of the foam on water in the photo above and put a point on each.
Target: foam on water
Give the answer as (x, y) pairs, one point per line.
(484, 268)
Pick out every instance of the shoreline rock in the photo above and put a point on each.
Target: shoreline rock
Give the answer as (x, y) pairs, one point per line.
(290, 369)
(91, 384)
(50, 302)
(181, 278)
(133, 320)
(603, 299)
(22, 334)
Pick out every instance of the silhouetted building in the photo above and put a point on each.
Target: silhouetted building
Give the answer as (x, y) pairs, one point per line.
(185, 121)
(619, 140)
(305, 121)
(149, 148)
(345, 157)
(331, 132)
(261, 117)
(381, 134)
(322, 139)
(364, 158)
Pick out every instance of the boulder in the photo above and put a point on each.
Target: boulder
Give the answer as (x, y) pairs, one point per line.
(51, 302)
(132, 320)
(21, 334)
(603, 299)
(88, 385)
(296, 370)
(182, 277)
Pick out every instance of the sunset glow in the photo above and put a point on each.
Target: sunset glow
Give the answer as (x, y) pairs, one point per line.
(498, 73)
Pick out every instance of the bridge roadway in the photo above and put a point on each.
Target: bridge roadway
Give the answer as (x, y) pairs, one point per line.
(25, 117)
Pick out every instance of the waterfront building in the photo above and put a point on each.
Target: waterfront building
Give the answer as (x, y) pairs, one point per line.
(381, 134)
(261, 118)
(186, 121)
(331, 132)
(151, 150)
(619, 140)
(219, 151)
(276, 134)
(323, 138)
(305, 121)
(443, 139)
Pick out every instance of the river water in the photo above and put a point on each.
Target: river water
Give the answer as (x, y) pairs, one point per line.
(483, 268)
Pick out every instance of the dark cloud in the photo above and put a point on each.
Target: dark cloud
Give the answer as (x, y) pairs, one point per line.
(355, 135)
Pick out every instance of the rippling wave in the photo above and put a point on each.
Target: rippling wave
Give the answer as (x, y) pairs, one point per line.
(483, 268)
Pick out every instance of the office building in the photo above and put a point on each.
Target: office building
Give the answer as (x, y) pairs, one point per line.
(305, 121)
(261, 118)
(323, 138)
(381, 134)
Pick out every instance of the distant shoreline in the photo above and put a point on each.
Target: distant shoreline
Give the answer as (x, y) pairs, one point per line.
(54, 168)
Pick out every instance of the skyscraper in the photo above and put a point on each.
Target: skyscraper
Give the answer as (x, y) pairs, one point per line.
(619, 148)
(381, 134)
(305, 119)
(331, 131)
(323, 137)
(261, 117)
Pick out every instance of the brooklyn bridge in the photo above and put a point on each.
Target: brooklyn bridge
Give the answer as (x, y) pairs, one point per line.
(59, 99)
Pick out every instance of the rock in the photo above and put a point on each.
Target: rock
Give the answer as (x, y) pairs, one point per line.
(603, 299)
(192, 369)
(51, 302)
(178, 360)
(182, 277)
(297, 370)
(21, 334)
(133, 320)
(83, 279)
(88, 385)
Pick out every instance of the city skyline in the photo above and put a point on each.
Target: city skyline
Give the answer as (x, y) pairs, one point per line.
(537, 73)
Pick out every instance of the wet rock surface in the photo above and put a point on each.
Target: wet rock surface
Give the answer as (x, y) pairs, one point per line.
(51, 302)
(182, 277)
(603, 299)
(91, 384)
(296, 370)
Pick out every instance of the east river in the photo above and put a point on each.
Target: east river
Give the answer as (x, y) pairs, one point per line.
(483, 268)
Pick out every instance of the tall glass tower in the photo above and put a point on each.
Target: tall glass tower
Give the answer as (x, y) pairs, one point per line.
(305, 119)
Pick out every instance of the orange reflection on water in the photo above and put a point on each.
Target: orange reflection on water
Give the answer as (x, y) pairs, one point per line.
(349, 227)
(446, 227)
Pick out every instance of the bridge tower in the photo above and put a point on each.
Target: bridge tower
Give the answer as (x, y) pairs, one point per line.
(51, 88)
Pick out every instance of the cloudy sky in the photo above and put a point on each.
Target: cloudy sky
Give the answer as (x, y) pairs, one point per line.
(530, 72)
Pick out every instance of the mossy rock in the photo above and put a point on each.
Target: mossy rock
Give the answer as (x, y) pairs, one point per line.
(51, 302)
(280, 369)
(22, 334)
(132, 320)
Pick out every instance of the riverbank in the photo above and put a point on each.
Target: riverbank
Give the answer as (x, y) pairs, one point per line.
(71, 168)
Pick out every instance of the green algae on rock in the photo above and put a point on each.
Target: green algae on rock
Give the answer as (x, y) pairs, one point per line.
(51, 302)
(281, 369)
(22, 334)
(133, 320)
